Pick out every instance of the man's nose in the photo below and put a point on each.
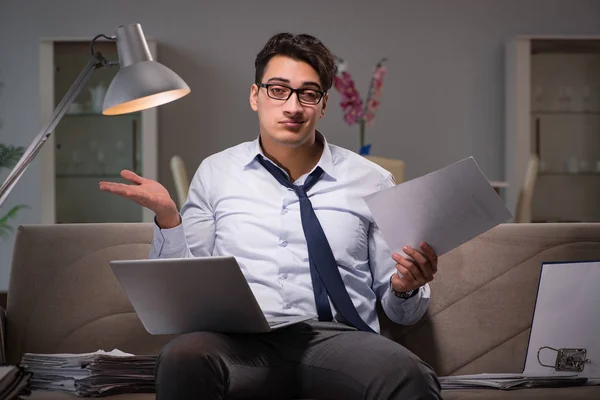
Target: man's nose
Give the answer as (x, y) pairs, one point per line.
(292, 105)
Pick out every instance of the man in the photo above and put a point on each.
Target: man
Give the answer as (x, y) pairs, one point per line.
(289, 206)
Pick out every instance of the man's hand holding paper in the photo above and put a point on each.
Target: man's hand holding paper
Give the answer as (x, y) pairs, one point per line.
(442, 210)
(416, 271)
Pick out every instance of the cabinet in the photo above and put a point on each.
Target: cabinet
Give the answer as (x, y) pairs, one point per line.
(553, 110)
(86, 146)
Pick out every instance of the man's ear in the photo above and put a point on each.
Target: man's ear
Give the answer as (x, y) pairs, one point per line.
(254, 96)
(325, 98)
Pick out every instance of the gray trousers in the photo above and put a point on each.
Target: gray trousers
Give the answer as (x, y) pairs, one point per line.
(314, 360)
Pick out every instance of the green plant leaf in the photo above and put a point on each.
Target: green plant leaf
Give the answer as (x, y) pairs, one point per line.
(5, 228)
(9, 155)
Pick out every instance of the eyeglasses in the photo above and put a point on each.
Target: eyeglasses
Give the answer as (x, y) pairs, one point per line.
(283, 93)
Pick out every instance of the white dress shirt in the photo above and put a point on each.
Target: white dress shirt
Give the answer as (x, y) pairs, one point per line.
(235, 207)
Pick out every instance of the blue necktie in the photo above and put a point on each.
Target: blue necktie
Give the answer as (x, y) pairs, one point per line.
(326, 278)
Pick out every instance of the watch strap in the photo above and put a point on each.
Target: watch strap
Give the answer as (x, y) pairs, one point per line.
(403, 295)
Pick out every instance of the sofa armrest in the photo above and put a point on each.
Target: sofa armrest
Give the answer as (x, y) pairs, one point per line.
(2, 335)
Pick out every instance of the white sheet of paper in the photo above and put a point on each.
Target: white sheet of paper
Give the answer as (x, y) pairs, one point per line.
(500, 380)
(566, 315)
(444, 208)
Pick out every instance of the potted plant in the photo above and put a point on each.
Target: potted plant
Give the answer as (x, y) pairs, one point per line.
(355, 110)
(9, 155)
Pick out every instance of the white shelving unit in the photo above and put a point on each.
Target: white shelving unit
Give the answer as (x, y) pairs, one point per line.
(553, 110)
(72, 190)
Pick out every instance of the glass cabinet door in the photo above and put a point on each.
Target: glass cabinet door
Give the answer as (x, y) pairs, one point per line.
(565, 127)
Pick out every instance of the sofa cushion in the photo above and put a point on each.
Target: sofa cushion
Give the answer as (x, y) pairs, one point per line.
(64, 297)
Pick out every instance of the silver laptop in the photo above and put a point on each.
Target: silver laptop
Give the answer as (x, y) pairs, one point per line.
(181, 295)
(564, 329)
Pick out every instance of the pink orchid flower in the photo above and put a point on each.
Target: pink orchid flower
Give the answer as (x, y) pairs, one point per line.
(351, 102)
(376, 89)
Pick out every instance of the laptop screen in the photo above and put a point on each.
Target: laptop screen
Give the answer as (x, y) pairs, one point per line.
(565, 331)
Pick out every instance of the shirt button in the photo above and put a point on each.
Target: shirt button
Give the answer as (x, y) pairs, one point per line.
(287, 306)
(284, 211)
(284, 276)
(284, 244)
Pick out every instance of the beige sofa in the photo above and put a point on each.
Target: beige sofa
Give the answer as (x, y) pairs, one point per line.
(63, 297)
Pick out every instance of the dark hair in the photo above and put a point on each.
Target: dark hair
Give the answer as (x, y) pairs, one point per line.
(301, 47)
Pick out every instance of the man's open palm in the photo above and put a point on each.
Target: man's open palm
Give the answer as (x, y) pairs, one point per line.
(145, 192)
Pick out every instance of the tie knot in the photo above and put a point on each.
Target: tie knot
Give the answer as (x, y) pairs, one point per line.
(300, 191)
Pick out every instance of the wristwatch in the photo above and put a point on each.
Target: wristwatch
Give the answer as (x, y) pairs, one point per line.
(403, 295)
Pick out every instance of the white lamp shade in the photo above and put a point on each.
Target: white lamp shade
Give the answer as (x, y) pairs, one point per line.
(142, 85)
(141, 82)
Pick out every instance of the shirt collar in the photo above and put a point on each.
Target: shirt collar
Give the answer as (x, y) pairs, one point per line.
(325, 162)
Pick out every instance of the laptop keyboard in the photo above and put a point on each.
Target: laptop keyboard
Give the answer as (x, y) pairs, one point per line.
(275, 323)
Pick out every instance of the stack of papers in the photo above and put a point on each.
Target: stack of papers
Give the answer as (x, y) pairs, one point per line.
(13, 381)
(91, 374)
(510, 381)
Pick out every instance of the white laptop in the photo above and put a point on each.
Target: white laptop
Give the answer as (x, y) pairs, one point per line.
(181, 295)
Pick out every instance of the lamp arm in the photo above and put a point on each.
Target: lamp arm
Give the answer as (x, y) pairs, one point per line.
(95, 61)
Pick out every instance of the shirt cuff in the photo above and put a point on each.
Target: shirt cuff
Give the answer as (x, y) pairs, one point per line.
(406, 311)
(167, 241)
